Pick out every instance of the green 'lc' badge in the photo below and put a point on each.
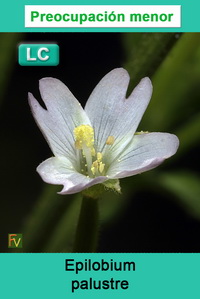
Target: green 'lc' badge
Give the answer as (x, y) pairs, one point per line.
(38, 54)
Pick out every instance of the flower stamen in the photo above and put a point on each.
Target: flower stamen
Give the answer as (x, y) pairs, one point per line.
(110, 140)
(98, 166)
(84, 140)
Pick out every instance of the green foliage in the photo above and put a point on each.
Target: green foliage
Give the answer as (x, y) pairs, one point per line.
(7, 58)
(185, 187)
(174, 108)
(51, 209)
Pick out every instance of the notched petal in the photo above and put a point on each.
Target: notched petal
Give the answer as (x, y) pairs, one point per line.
(63, 114)
(112, 114)
(145, 152)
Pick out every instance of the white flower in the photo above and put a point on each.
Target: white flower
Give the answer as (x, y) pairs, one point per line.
(97, 144)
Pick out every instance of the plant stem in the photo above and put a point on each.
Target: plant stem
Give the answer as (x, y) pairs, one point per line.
(88, 226)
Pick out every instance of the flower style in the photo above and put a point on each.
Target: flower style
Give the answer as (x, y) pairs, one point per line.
(98, 144)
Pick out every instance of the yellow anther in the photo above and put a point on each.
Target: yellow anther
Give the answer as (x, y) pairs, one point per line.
(101, 167)
(94, 167)
(93, 153)
(97, 166)
(93, 170)
(110, 140)
(99, 157)
(84, 135)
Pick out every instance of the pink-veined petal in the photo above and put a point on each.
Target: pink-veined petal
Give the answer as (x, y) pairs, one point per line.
(112, 114)
(145, 152)
(60, 171)
(63, 114)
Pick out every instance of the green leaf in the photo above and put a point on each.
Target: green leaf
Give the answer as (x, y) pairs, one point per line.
(174, 84)
(8, 42)
(188, 135)
(185, 186)
(49, 210)
(61, 238)
(145, 52)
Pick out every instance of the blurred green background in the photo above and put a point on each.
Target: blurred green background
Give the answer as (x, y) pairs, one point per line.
(158, 211)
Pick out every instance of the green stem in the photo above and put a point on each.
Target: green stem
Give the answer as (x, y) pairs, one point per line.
(88, 226)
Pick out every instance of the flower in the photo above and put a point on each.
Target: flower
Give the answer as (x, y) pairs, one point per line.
(97, 144)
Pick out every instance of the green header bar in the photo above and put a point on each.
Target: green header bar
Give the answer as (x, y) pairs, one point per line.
(13, 16)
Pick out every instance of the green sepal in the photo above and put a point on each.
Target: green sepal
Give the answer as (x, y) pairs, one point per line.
(97, 190)
(94, 191)
(113, 184)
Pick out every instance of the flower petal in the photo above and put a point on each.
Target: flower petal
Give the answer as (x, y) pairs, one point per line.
(145, 152)
(60, 171)
(63, 114)
(111, 114)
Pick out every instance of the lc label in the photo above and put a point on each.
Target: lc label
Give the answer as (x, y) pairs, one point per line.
(38, 54)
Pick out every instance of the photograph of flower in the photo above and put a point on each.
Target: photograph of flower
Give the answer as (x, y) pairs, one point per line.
(97, 145)
(116, 107)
